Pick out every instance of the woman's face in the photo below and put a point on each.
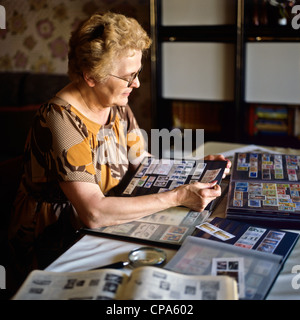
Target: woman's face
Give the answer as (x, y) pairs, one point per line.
(115, 91)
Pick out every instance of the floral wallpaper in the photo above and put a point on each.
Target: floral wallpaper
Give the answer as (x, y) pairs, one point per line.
(37, 31)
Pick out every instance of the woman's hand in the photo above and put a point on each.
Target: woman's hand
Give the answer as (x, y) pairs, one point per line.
(197, 196)
(220, 157)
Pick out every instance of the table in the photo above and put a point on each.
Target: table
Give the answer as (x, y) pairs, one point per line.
(91, 251)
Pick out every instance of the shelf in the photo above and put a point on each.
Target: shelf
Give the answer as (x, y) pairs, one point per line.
(272, 33)
(271, 124)
(223, 33)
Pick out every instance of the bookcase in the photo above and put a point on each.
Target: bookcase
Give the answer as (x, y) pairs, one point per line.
(271, 97)
(228, 67)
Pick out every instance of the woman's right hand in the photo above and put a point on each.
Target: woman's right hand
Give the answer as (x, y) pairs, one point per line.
(197, 196)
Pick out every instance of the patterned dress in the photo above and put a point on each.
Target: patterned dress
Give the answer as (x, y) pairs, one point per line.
(64, 145)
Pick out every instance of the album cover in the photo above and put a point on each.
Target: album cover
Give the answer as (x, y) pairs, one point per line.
(264, 189)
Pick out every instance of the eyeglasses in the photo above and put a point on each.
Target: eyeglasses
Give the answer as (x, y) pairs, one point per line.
(131, 79)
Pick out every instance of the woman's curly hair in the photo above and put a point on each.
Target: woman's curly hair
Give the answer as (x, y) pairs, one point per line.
(100, 40)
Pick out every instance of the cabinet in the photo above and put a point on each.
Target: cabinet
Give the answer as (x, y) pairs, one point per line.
(217, 64)
(271, 63)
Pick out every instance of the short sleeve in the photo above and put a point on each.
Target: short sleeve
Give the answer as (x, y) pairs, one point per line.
(61, 146)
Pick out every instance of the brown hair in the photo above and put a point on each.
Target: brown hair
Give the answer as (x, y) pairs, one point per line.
(99, 40)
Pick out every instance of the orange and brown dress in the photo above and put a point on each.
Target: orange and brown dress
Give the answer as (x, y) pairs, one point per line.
(64, 145)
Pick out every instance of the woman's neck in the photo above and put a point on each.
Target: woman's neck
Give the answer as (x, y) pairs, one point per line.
(82, 97)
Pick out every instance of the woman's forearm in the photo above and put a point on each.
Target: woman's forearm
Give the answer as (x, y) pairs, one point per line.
(95, 210)
(117, 210)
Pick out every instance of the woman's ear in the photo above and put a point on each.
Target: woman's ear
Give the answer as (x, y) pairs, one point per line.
(89, 79)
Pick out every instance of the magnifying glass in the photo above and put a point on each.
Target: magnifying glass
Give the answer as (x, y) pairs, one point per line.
(144, 256)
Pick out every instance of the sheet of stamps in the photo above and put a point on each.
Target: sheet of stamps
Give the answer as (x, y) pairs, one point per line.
(160, 175)
(232, 267)
(168, 226)
(267, 182)
(249, 239)
(215, 231)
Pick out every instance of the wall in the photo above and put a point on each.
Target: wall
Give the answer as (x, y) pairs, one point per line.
(37, 32)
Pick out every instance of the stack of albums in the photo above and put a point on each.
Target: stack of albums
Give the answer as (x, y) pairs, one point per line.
(251, 255)
(264, 189)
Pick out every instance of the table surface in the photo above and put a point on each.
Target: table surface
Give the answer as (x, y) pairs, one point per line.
(92, 251)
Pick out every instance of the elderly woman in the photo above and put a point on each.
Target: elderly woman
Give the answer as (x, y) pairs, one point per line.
(77, 150)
